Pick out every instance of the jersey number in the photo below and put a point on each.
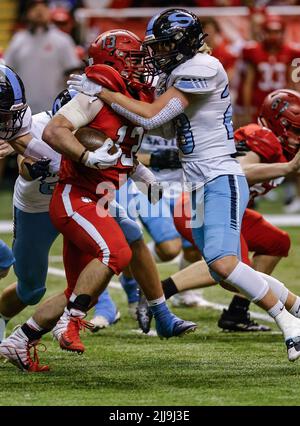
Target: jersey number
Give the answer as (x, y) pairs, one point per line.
(47, 188)
(185, 138)
(137, 133)
(273, 76)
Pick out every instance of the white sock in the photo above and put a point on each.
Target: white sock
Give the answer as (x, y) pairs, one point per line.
(72, 297)
(288, 324)
(295, 309)
(32, 324)
(276, 286)
(151, 247)
(156, 302)
(248, 282)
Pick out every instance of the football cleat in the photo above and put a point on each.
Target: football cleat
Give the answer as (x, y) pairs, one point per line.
(68, 329)
(99, 322)
(144, 314)
(239, 322)
(293, 348)
(174, 327)
(16, 349)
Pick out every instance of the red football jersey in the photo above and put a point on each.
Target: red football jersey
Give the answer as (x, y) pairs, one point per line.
(224, 55)
(271, 69)
(255, 133)
(121, 131)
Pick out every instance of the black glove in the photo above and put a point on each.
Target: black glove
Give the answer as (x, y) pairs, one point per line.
(39, 169)
(241, 149)
(165, 159)
(155, 192)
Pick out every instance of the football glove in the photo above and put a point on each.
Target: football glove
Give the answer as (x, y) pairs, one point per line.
(165, 159)
(39, 169)
(82, 84)
(100, 158)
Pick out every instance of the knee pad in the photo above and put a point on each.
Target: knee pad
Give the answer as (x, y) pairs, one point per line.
(131, 230)
(29, 295)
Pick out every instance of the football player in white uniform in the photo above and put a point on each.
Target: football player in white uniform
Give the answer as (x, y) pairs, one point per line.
(193, 93)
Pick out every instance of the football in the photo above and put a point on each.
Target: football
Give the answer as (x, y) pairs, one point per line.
(93, 139)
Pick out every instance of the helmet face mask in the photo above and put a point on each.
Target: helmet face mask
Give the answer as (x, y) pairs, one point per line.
(12, 103)
(172, 37)
(122, 50)
(280, 112)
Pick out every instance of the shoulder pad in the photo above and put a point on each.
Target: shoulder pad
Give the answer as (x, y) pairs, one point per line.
(200, 66)
(264, 143)
(107, 76)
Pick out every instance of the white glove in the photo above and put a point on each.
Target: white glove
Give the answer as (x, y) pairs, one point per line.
(82, 84)
(101, 159)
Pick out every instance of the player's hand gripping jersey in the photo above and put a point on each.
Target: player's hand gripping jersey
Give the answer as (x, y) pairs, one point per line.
(121, 131)
(266, 145)
(204, 130)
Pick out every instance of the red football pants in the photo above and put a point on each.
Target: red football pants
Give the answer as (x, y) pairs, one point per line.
(257, 234)
(88, 234)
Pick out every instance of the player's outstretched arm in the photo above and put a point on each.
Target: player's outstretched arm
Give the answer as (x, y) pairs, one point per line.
(257, 173)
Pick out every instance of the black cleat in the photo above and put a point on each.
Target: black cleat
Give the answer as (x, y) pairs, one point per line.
(144, 314)
(240, 322)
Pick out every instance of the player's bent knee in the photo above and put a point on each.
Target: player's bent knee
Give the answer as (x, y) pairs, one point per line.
(29, 295)
(131, 230)
(168, 250)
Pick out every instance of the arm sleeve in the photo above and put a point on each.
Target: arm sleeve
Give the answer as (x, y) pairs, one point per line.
(173, 108)
(81, 110)
(143, 174)
(37, 149)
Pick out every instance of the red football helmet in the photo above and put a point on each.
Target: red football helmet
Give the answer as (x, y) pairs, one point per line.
(280, 112)
(122, 50)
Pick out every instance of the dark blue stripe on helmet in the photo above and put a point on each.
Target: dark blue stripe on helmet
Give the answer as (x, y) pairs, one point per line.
(12, 78)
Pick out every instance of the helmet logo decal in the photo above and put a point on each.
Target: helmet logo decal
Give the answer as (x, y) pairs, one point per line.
(179, 19)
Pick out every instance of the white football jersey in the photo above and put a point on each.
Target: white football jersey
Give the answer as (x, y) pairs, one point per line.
(153, 143)
(34, 196)
(204, 131)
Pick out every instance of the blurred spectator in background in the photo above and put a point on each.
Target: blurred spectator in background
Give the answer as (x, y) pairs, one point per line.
(42, 55)
(220, 46)
(268, 65)
(69, 5)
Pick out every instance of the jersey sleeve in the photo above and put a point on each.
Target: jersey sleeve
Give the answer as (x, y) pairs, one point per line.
(81, 110)
(197, 80)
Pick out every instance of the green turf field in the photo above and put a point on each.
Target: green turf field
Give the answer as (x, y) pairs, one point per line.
(121, 367)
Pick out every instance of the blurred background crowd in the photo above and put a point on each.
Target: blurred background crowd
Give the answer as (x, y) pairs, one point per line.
(258, 43)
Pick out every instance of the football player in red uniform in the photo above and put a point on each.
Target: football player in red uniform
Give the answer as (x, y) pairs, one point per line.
(268, 65)
(94, 244)
(272, 155)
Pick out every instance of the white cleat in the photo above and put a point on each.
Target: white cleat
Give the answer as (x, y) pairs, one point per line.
(293, 348)
(99, 322)
(132, 307)
(16, 349)
(186, 299)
